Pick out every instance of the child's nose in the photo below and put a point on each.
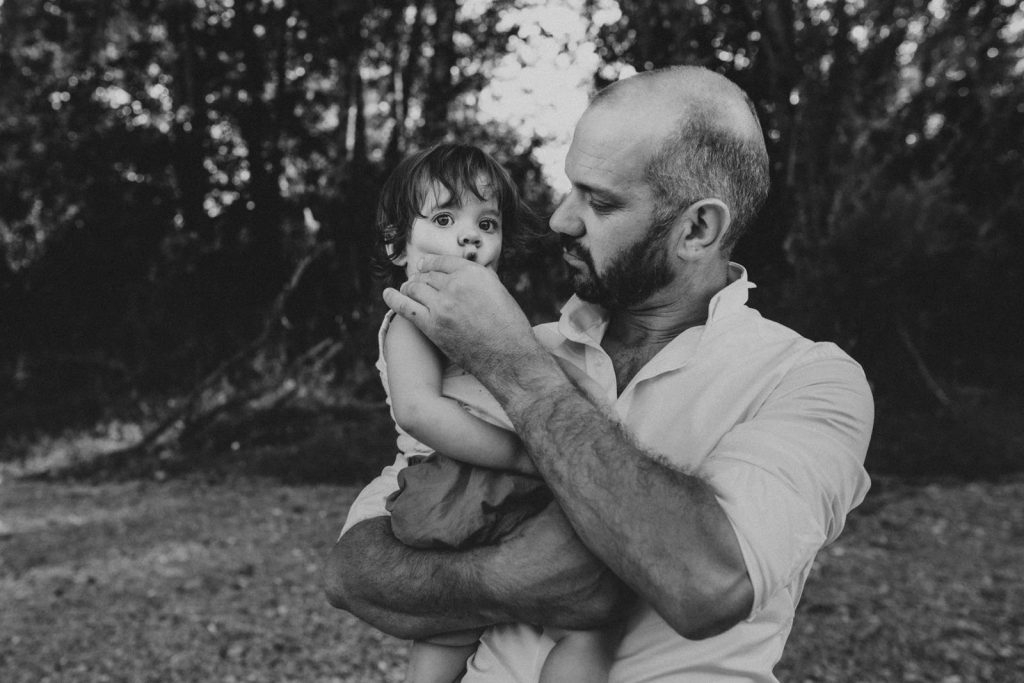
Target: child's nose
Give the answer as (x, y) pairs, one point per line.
(468, 237)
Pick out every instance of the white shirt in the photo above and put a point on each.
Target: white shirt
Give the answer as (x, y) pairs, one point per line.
(778, 426)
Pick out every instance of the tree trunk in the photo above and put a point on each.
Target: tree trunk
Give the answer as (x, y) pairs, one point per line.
(191, 179)
(439, 75)
(259, 130)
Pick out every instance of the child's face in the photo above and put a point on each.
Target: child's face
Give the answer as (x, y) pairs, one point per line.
(454, 226)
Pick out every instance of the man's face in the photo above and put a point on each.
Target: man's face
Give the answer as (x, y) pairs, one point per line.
(630, 277)
(618, 256)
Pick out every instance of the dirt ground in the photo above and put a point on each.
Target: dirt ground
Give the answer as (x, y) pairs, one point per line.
(188, 580)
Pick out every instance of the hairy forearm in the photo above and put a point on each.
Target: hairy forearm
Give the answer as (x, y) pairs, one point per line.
(539, 574)
(659, 529)
(406, 592)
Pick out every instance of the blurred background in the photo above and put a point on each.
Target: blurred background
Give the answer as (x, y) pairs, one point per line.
(187, 189)
(187, 297)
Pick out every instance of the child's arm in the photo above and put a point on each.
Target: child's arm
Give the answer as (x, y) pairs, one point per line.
(414, 379)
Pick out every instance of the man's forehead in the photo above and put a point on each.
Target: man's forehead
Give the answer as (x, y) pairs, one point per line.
(604, 149)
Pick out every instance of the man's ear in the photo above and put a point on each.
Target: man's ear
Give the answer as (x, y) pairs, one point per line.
(703, 225)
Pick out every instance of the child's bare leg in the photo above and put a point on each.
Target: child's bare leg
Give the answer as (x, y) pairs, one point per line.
(582, 656)
(442, 658)
(433, 663)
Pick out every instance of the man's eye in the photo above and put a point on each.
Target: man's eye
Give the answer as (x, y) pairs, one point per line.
(601, 207)
(443, 219)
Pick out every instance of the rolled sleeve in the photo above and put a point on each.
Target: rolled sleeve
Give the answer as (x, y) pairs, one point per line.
(371, 500)
(788, 477)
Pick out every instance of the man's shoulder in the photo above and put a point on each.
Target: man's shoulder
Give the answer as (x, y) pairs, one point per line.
(768, 336)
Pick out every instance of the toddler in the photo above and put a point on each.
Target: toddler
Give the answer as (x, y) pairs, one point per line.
(455, 199)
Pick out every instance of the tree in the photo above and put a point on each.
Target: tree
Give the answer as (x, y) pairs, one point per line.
(168, 163)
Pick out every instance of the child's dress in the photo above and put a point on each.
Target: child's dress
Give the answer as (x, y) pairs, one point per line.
(443, 503)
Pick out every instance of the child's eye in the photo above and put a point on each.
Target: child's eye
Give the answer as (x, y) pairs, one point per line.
(444, 220)
(489, 225)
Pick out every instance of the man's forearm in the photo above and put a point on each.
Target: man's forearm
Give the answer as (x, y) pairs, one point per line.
(539, 574)
(659, 529)
(403, 591)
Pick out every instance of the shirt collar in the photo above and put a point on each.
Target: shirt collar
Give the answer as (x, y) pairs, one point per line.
(586, 322)
(733, 296)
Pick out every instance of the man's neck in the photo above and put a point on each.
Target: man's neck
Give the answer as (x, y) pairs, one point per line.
(651, 326)
(636, 334)
(668, 313)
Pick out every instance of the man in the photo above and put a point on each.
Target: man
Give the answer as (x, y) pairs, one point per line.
(723, 452)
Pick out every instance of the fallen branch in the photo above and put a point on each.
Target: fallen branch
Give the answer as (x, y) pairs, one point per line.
(273, 316)
(930, 382)
(179, 417)
(265, 396)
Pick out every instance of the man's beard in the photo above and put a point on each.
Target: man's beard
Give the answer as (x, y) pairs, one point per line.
(633, 275)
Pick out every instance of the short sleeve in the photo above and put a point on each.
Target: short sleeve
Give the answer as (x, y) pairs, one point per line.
(788, 477)
(370, 501)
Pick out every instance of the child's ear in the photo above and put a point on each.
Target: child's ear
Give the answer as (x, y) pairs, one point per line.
(399, 260)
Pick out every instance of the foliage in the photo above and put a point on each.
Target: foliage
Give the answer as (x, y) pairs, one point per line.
(167, 164)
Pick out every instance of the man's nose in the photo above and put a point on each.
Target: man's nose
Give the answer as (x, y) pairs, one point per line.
(566, 219)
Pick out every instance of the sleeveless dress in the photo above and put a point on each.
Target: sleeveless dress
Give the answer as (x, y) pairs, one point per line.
(444, 503)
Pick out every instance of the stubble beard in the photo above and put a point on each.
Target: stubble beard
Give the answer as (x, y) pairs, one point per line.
(632, 276)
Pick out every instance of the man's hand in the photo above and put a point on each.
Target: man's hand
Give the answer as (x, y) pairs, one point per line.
(464, 309)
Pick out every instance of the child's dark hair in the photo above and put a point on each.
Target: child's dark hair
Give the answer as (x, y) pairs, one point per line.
(458, 168)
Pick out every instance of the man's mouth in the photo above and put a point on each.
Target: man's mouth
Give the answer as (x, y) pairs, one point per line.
(571, 258)
(571, 249)
(573, 253)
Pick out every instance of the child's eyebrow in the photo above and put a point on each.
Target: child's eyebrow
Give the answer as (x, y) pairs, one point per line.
(453, 200)
(432, 200)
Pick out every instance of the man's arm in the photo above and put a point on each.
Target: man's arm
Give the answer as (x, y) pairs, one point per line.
(404, 592)
(540, 574)
(659, 529)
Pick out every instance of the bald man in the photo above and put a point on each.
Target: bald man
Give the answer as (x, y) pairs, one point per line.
(710, 458)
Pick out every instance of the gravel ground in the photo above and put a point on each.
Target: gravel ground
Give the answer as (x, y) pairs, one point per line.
(188, 580)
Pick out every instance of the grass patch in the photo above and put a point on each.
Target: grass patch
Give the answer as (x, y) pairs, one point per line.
(193, 579)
